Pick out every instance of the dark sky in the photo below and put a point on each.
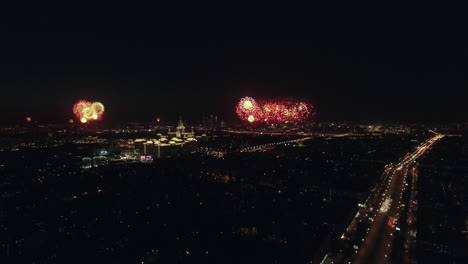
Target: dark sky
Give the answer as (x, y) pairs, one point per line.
(352, 62)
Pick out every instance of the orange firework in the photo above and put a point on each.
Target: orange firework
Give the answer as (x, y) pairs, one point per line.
(28, 119)
(88, 111)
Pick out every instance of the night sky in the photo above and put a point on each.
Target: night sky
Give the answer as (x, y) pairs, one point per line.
(360, 63)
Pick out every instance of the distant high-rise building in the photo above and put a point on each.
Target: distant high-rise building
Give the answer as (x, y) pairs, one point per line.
(158, 153)
(149, 148)
(99, 161)
(139, 144)
(86, 163)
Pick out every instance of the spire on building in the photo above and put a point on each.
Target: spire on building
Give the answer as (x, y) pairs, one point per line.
(180, 128)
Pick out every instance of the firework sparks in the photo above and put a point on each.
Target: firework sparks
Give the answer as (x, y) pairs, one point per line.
(88, 111)
(273, 112)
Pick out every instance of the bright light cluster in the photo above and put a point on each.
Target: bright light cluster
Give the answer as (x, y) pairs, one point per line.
(88, 111)
(273, 112)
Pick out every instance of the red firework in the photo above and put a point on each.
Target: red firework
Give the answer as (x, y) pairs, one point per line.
(88, 111)
(273, 112)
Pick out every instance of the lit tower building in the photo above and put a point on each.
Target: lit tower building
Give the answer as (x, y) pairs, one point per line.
(180, 130)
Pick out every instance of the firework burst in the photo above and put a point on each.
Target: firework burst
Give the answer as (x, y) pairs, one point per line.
(88, 111)
(273, 112)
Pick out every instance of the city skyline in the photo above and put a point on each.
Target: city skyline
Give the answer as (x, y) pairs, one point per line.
(276, 134)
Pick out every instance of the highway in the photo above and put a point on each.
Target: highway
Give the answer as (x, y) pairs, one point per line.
(382, 230)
